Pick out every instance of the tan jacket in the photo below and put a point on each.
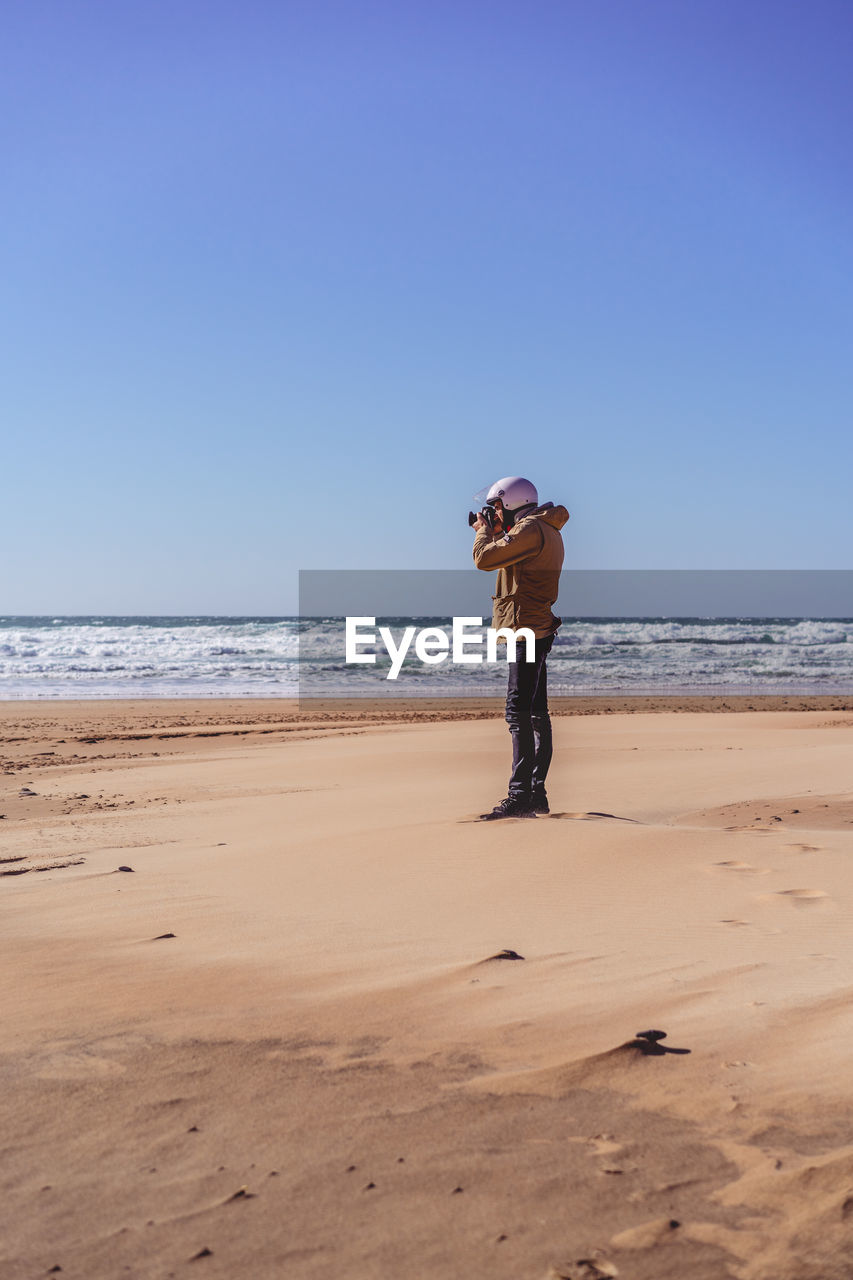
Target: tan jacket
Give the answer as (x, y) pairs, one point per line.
(528, 560)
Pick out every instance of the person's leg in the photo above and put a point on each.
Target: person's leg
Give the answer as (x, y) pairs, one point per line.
(541, 721)
(523, 681)
(519, 700)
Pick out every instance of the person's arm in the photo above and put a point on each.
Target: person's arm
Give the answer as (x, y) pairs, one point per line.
(521, 543)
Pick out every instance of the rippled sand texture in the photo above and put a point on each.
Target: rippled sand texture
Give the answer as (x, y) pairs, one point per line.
(276, 1004)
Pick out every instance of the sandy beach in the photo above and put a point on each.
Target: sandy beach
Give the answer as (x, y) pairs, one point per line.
(256, 1023)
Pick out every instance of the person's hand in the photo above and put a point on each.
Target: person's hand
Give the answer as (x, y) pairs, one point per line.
(494, 529)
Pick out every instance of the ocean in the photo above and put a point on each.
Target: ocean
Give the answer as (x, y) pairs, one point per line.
(230, 657)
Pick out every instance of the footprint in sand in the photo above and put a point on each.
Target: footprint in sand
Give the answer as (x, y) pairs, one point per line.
(603, 1144)
(745, 868)
(803, 897)
(593, 815)
(804, 848)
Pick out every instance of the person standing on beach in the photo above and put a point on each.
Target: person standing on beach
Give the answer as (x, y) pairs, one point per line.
(523, 542)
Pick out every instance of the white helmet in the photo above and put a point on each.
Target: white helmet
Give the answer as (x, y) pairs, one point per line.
(514, 492)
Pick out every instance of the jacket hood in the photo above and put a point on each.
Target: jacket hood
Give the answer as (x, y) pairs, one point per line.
(555, 516)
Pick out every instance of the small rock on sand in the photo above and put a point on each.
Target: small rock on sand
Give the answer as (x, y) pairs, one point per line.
(242, 1193)
(596, 1267)
(646, 1235)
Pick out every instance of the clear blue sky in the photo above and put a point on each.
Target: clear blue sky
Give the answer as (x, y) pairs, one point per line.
(284, 283)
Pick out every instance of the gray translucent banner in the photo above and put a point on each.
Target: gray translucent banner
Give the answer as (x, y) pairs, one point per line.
(623, 631)
(586, 593)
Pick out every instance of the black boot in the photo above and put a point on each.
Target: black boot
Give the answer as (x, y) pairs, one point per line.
(539, 802)
(512, 807)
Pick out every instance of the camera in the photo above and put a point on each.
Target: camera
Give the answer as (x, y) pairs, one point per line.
(488, 514)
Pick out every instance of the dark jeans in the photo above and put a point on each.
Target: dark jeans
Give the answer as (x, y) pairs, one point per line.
(528, 719)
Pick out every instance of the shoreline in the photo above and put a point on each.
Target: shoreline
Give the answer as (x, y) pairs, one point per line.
(449, 707)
